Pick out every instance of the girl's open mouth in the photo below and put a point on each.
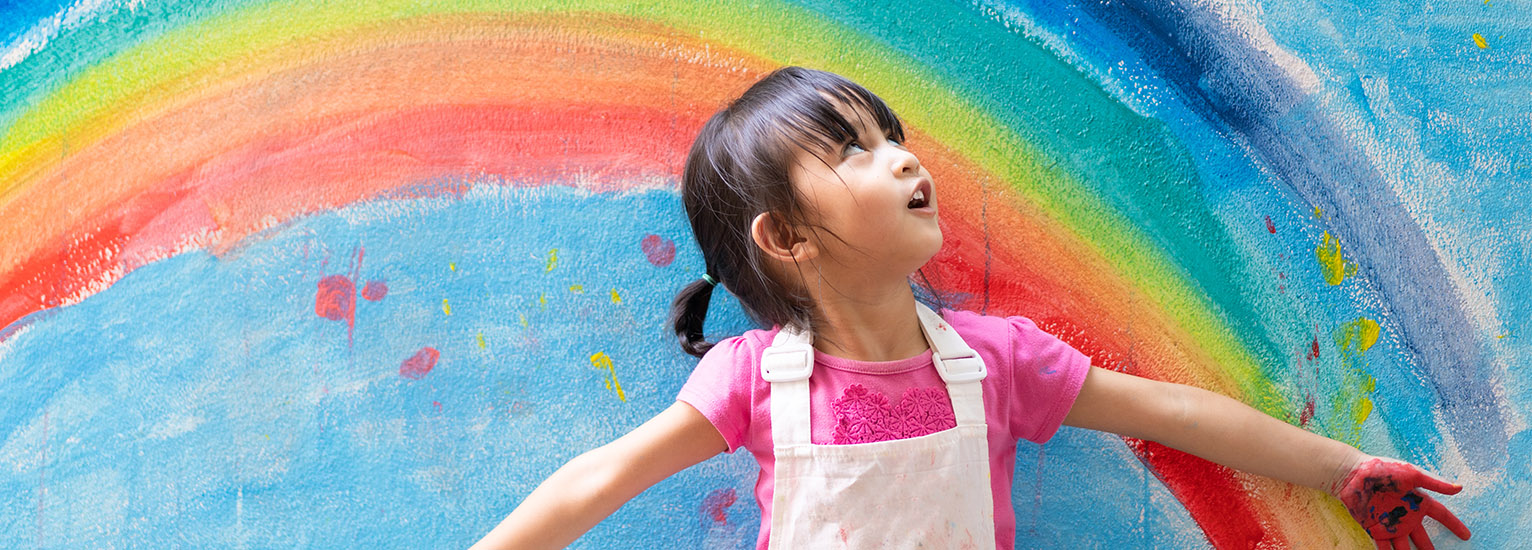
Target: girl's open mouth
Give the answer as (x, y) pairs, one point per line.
(922, 196)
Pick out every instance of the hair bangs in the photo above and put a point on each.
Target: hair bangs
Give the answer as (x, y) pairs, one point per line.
(812, 121)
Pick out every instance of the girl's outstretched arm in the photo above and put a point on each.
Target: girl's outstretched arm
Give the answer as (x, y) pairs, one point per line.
(1380, 493)
(590, 487)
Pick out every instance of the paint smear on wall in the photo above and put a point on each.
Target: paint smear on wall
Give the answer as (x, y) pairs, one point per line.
(602, 362)
(659, 250)
(375, 290)
(420, 364)
(1352, 402)
(715, 505)
(1334, 267)
(334, 298)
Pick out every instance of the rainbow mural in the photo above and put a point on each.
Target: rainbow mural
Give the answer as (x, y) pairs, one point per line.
(361, 274)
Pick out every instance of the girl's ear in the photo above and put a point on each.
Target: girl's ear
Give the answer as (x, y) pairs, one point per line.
(780, 240)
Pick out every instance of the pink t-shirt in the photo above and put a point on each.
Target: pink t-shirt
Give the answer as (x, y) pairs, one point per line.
(1033, 380)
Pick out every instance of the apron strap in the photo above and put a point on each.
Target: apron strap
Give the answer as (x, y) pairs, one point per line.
(787, 364)
(960, 366)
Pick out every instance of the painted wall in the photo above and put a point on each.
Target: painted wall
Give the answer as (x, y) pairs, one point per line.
(299, 274)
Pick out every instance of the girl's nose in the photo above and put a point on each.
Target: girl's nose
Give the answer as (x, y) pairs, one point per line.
(905, 162)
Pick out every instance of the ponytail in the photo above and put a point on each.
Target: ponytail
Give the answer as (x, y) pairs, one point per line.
(687, 314)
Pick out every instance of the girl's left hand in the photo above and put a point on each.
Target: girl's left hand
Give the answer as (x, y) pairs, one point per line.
(1383, 495)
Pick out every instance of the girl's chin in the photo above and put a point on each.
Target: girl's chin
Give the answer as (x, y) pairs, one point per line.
(928, 253)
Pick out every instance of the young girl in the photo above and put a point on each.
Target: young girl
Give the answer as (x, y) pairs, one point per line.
(877, 422)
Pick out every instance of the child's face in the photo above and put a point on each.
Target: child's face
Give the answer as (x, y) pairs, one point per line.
(886, 208)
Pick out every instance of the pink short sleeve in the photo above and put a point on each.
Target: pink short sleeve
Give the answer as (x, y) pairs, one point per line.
(1046, 376)
(720, 389)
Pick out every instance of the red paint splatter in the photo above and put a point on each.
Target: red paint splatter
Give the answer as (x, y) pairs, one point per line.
(335, 299)
(716, 504)
(375, 290)
(1314, 349)
(1308, 412)
(1270, 227)
(660, 250)
(420, 364)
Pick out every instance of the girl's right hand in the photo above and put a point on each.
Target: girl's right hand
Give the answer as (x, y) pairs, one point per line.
(1384, 496)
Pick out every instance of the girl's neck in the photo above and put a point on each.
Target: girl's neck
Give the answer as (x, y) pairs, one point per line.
(868, 322)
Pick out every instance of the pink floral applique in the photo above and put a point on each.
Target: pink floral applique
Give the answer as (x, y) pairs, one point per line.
(865, 416)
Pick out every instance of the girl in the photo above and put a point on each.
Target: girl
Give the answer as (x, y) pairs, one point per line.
(877, 422)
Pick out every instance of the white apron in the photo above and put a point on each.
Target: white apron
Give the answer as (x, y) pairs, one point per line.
(931, 491)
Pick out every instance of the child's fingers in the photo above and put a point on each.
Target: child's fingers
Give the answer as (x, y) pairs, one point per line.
(1435, 510)
(1383, 544)
(1426, 480)
(1421, 539)
(1401, 543)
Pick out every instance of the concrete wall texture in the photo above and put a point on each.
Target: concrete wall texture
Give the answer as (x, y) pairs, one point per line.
(334, 275)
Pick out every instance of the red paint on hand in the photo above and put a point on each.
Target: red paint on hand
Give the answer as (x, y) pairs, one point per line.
(420, 364)
(660, 250)
(1382, 495)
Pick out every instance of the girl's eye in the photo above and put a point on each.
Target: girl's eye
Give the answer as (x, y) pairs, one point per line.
(891, 139)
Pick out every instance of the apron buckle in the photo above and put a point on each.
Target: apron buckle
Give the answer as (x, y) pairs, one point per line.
(787, 362)
(961, 369)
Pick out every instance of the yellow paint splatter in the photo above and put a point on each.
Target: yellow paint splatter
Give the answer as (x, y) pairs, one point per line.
(553, 259)
(452, 266)
(602, 362)
(1357, 336)
(1352, 401)
(523, 320)
(616, 298)
(1361, 412)
(481, 340)
(1335, 267)
(1478, 40)
(542, 301)
(1364, 405)
(1317, 213)
(446, 307)
(577, 289)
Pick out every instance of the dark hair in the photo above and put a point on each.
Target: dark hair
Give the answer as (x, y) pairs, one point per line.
(738, 168)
